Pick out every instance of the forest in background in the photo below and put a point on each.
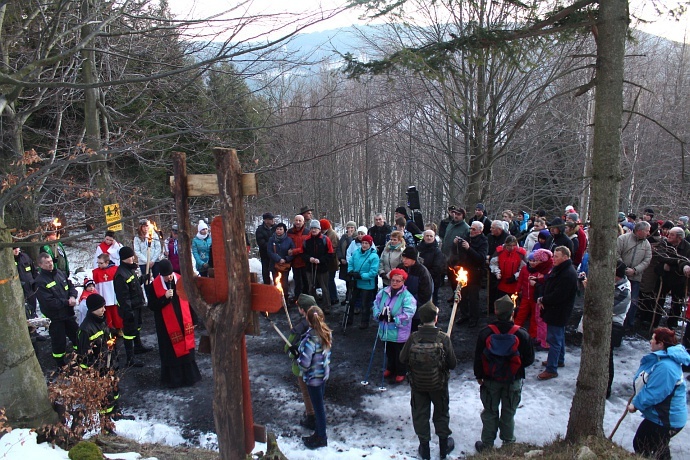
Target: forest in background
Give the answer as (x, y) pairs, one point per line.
(96, 96)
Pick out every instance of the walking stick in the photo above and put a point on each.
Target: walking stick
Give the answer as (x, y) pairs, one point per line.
(279, 284)
(461, 278)
(656, 304)
(148, 251)
(277, 330)
(615, 428)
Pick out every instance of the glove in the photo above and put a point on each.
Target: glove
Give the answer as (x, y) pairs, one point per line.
(385, 316)
(293, 351)
(511, 279)
(145, 278)
(356, 275)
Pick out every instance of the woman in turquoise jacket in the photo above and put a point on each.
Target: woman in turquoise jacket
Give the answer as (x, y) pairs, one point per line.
(363, 268)
(394, 308)
(660, 395)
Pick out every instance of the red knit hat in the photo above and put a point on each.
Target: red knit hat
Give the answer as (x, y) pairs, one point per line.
(398, 271)
(325, 225)
(368, 239)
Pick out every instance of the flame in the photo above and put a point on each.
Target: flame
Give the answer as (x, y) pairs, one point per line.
(152, 228)
(56, 223)
(460, 276)
(278, 284)
(111, 343)
(514, 297)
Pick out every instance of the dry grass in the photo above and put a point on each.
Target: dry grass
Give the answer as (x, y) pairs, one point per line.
(559, 450)
(116, 444)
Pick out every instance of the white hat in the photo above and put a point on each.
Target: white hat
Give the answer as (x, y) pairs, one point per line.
(362, 229)
(202, 225)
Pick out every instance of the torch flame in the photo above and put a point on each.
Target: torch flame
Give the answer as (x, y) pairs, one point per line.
(152, 228)
(111, 343)
(56, 223)
(513, 297)
(460, 276)
(278, 284)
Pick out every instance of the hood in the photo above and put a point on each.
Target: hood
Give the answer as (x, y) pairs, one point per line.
(677, 353)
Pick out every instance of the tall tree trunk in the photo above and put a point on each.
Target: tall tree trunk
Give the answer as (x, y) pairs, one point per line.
(587, 411)
(23, 391)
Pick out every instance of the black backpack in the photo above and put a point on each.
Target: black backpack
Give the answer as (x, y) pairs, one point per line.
(427, 364)
(501, 358)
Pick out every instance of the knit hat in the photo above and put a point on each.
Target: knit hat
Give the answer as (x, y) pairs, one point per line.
(165, 267)
(398, 271)
(325, 225)
(649, 211)
(94, 302)
(530, 256)
(480, 206)
(684, 219)
(542, 255)
(368, 239)
(350, 223)
(575, 217)
(569, 209)
(126, 252)
(268, 215)
(621, 216)
(362, 229)
(202, 225)
(503, 308)
(305, 301)
(544, 234)
(175, 228)
(428, 312)
(88, 282)
(401, 210)
(668, 225)
(410, 252)
(314, 224)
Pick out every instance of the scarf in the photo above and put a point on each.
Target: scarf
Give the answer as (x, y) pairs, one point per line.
(182, 339)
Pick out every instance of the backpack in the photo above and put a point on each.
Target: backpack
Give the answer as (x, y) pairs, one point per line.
(427, 364)
(501, 358)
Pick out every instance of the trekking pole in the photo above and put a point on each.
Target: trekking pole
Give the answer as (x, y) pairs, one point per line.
(371, 359)
(382, 387)
(346, 316)
(615, 428)
(656, 304)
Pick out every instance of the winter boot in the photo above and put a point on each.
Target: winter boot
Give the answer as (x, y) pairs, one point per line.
(309, 422)
(424, 450)
(446, 446)
(129, 351)
(139, 347)
(314, 441)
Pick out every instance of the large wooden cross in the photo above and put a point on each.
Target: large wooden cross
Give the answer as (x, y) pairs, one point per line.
(226, 301)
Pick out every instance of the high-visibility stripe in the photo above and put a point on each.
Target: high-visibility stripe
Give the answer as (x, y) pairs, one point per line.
(129, 280)
(84, 366)
(116, 397)
(129, 337)
(26, 269)
(107, 411)
(50, 285)
(58, 355)
(96, 335)
(66, 287)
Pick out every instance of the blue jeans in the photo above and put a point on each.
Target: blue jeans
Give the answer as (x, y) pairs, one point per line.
(555, 337)
(634, 297)
(316, 396)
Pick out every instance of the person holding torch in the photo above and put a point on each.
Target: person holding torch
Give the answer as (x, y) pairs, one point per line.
(471, 255)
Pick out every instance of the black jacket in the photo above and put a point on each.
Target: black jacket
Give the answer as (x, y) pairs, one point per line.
(419, 283)
(676, 258)
(562, 240)
(53, 292)
(495, 241)
(473, 259)
(318, 247)
(560, 290)
(128, 291)
(433, 259)
(92, 341)
(525, 348)
(27, 273)
(263, 234)
(379, 235)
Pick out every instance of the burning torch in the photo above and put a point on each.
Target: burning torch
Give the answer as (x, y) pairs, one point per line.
(461, 278)
(111, 346)
(279, 285)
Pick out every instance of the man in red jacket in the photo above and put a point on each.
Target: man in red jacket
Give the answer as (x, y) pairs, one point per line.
(299, 272)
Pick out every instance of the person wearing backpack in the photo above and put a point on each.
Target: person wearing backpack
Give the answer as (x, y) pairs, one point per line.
(503, 352)
(429, 356)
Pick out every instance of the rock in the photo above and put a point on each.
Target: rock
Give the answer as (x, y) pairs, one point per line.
(534, 453)
(585, 453)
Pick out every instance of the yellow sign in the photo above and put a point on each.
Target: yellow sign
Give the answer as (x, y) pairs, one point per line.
(112, 214)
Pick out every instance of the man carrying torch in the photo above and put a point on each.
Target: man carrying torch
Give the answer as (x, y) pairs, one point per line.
(471, 255)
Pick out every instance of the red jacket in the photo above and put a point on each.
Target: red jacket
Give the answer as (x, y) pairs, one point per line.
(298, 238)
(509, 264)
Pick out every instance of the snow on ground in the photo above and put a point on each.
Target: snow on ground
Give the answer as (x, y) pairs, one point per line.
(542, 416)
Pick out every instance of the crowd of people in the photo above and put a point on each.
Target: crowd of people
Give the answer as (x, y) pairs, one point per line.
(532, 269)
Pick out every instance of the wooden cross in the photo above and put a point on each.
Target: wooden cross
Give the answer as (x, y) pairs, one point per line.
(225, 302)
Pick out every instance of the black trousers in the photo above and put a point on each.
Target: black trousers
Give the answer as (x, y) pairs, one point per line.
(677, 291)
(651, 440)
(265, 271)
(59, 332)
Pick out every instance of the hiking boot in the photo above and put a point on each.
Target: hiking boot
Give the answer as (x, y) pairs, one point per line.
(481, 447)
(314, 441)
(309, 422)
(546, 375)
(446, 446)
(424, 450)
(546, 363)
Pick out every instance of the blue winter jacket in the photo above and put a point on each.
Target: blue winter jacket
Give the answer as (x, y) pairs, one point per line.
(402, 307)
(278, 249)
(660, 387)
(314, 360)
(367, 264)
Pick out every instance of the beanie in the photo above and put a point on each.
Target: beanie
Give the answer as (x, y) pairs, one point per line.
(480, 206)
(684, 219)
(165, 267)
(398, 271)
(314, 224)
(88, 282)
(410, 252)
(325, 225)
(202, 225)
(362, 229)
(401, 210)
(350, 223)
(621, 216)
(504, 308)
(575, 217)
(368, 239)
(305, 301)
(542, 255)
(667, 225)
(126, 252)
(428, 312)
(94, 302)
(544, 234)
